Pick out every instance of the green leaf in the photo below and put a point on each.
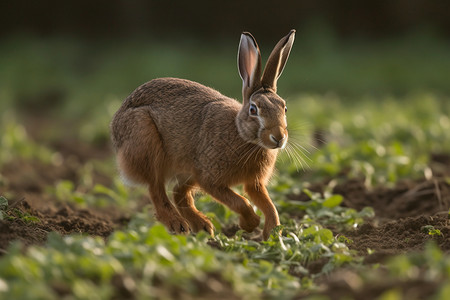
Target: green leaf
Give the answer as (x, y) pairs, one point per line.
(326, 236)
(308, 193)
(3, 203)
(431, 230)
(3, 207)
(333, 201)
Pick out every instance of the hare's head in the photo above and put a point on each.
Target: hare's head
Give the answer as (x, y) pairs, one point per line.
(262, 119)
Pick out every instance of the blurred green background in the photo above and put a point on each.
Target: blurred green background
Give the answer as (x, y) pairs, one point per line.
(69, 62)
(63, 50)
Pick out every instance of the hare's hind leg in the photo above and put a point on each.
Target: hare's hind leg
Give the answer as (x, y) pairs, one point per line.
(142, 159)
(182, 195)
(166, 213)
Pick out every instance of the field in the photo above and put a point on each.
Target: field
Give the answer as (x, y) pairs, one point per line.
(363, 194)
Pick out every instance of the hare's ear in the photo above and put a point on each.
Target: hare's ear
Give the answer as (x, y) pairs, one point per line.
(249, 64)
(277, 61)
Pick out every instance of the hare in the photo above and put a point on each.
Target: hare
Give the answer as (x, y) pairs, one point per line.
(175, 129)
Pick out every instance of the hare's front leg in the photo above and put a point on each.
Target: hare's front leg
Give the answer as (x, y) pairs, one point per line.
(260, 197)
(182, 195)
(166, 213)
(248, 219)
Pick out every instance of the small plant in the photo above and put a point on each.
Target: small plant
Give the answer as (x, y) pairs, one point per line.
(326, 209)
(430, 230)
(7, 213)
(3, 207)
(17, 214)
(87, 195)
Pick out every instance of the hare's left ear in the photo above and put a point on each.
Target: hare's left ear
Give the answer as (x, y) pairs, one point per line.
(277, 61)
(249, 65)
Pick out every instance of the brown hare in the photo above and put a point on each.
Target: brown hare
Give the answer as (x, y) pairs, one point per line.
(177, 129)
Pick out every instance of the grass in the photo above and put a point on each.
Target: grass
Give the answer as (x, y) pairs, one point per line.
(145, 252)
(380, 107)
(374, 137)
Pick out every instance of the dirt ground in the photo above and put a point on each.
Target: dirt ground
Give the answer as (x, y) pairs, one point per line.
(28, 183)
(401, 213)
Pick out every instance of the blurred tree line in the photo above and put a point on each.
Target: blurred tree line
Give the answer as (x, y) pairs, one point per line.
(206, 19)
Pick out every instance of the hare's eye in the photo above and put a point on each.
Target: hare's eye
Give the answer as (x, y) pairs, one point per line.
(253, 110)
(285, 109)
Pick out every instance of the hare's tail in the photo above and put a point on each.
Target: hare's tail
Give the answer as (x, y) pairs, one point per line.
(140, 162)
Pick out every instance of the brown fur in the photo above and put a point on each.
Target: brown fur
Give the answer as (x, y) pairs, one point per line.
(174, 128)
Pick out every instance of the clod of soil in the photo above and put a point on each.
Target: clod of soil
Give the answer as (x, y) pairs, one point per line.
(55, 217)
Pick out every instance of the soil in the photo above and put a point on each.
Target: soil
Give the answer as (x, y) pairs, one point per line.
(402, 212)
(402, 215)
(26, 185)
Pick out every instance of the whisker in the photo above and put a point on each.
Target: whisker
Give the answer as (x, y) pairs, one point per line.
(296, 140)
(298, 154)
(297, 150)
(289, 154)
(298, 145)
(297, 157)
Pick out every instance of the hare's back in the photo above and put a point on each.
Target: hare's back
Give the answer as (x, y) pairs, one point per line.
(163, 93)
(174, 102)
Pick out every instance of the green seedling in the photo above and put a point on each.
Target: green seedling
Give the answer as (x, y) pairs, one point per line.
(3, 207)
(430, 230)
(6, 213)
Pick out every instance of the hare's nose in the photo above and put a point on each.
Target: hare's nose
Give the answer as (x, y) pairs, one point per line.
(280, 141)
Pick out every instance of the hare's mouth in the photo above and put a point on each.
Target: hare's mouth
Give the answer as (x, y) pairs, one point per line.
(283, 145)
(271, 146)
(274, 142)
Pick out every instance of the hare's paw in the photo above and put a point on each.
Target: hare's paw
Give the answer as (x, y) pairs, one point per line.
(249, 222)
(198, 222)
(175, 223)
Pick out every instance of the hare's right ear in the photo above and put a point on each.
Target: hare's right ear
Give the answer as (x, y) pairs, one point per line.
(276, 62)
(249, 64)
